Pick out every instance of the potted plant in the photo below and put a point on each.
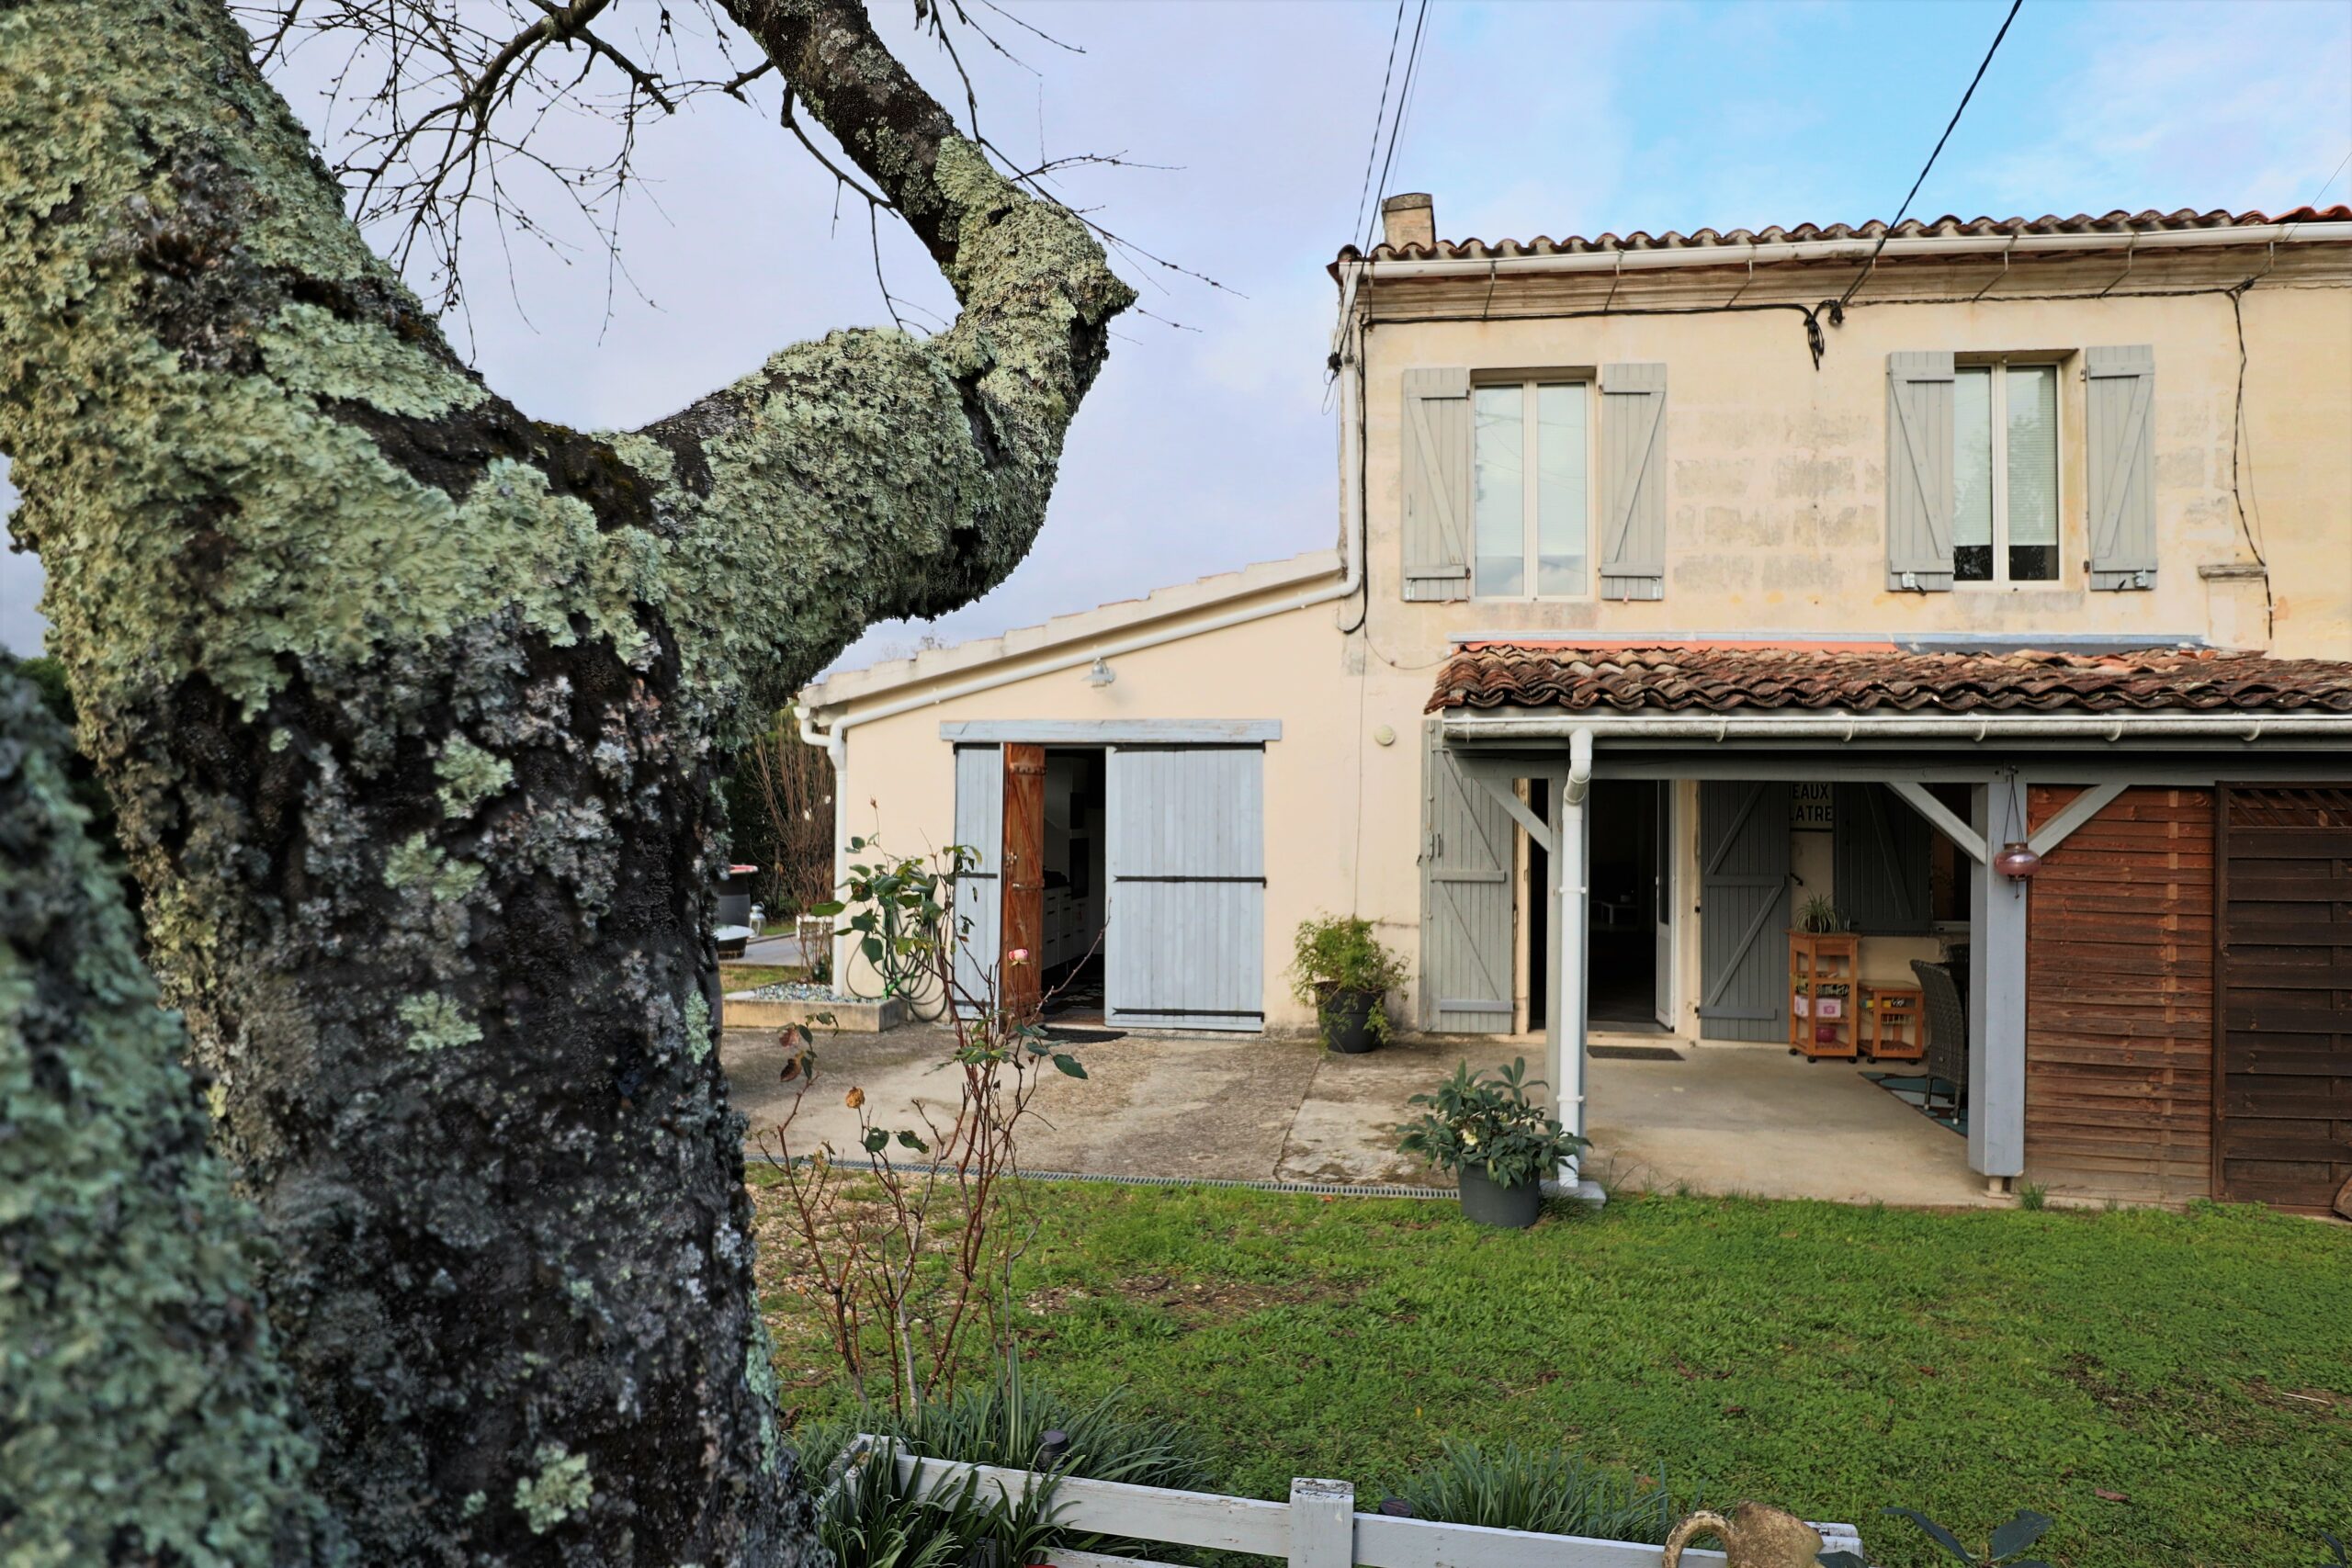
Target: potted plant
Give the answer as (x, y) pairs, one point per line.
(1483, 1129)
(1818, 917)
(1338, 964)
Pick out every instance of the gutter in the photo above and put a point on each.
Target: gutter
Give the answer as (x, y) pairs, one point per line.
(1757, 253)
(1583, 728)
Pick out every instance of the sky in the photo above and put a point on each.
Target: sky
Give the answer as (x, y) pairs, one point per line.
(1209, 443)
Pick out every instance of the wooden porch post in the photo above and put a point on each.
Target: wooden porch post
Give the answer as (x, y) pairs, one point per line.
(1996, 906)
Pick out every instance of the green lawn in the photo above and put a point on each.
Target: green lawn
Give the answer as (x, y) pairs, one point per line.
(2197, 1367)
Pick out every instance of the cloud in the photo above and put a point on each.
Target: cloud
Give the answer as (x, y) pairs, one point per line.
(2244, 105)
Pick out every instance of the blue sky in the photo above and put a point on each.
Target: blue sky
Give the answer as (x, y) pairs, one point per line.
(1210, 445)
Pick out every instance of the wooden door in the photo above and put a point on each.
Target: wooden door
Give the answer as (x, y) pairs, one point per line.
(1465, 982)
(1743, 910)
(2282, 1127)
(1022, 919)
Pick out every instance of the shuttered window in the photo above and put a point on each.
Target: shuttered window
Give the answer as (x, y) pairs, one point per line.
(2119, 408)
(1436, 522)
(1632, 481)
(1920, 491)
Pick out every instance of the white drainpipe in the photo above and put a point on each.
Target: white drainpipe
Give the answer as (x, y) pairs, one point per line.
(834, 738)
(1568, 1044)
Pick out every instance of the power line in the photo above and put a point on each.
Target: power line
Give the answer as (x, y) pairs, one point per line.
(1379, 116)
(1888, 232)
(1404, 93)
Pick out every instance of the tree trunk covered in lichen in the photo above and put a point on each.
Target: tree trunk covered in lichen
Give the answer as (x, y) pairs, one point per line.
(410, 706)
(135, 1363)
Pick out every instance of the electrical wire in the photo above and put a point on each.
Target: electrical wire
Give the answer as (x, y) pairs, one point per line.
(1357, 229)
(1888, 232)
(1403, 96)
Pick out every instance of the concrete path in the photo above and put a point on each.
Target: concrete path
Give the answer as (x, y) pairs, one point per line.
(1724, 1120)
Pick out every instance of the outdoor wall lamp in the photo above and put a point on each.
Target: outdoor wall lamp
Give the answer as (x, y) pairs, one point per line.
(2017, 860)
(1098, 675)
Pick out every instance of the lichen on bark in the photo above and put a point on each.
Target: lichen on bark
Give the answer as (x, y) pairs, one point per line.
(144, 1414)
(409, 704)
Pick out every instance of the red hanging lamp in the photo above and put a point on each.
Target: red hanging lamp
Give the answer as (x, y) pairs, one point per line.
(2018, 860)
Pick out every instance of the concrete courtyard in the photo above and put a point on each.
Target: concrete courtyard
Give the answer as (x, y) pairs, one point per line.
(1725, 1119)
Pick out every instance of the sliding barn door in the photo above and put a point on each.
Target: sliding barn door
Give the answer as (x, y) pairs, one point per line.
(1743, 910)
(1185, 947)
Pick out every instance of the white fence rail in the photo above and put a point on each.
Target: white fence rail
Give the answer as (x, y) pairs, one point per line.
(1318, 1527)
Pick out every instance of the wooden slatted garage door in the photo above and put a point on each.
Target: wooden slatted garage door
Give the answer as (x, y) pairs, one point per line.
(2120, 999)
(2283, 1127)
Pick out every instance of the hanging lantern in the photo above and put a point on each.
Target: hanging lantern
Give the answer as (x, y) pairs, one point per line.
(2017, 860)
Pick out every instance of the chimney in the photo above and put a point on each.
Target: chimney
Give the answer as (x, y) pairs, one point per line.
(1408, 219)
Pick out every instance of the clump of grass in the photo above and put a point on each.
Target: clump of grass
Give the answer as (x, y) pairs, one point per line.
(1005, 1422)
(1547, 1491)
(2032, 1195)
(874, 1518)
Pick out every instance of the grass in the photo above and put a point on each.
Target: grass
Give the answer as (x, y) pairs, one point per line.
(743, 977)
(2173, 1389)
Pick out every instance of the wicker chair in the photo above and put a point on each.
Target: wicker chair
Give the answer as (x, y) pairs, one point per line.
(1946, 1031)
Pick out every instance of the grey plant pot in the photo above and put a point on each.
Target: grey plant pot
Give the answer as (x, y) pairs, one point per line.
(1490, 1203)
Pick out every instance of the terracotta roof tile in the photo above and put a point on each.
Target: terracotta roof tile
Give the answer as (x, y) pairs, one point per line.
(1731, 678)
(2117, 222)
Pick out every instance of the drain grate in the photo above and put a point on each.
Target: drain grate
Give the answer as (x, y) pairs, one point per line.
(1634, 1053)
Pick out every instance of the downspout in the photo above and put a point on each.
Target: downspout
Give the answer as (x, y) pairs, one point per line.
(1568, 1048)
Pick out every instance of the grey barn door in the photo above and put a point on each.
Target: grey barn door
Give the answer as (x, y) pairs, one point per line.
(979, 826)
(1185, 946)
(1467, 848)
(1743, 910)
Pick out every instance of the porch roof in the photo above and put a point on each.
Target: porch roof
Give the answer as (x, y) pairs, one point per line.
(1865, 678)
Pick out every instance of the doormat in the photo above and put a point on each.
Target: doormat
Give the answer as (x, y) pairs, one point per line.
(1083, 1036)
(1911, 1089)
(1633, 1053)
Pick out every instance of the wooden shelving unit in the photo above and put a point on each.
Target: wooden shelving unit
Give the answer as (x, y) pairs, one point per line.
(1825, 995)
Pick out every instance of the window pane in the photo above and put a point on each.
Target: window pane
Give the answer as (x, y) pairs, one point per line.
(1972, 471)
(1560, 487)
(1501, 538)
(2033, 473)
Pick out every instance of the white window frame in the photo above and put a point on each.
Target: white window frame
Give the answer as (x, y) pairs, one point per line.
(1998, 368)
(1530, 480)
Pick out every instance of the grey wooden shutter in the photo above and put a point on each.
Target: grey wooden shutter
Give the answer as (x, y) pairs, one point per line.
(1920, 497)
(979, 826)
(1881, 850)
(1632, 481)
(1743, 910)
(1466, 844)
(1437, 484)
(1186, 941)
(2121, 447)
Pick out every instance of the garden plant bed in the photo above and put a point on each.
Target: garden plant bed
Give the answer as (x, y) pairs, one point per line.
(800, 1002)
(2121, 1371)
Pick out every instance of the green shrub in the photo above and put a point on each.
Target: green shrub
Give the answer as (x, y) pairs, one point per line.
(1005, 1423)
(1552, 1493)
(1335, 953)
(1486, 1122)
(875, 1518)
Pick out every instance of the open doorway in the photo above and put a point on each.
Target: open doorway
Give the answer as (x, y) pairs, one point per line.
(1074, 893)
(1625, 957)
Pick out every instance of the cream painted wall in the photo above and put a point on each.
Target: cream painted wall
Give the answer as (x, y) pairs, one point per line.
(1774, 518)
(1776, 477)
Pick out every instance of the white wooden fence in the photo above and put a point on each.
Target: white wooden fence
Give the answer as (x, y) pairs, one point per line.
(1318, 1527)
